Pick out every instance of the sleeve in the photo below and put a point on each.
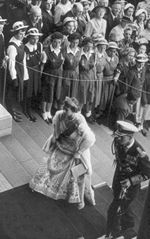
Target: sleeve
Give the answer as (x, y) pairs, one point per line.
(57, 15)
(26, 75)
(144, 165)
(88, 29)
(12, 53)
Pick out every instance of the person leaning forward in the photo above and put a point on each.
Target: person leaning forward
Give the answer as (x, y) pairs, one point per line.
(132, 168)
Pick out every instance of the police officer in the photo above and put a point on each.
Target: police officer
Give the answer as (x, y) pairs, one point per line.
(132, 167)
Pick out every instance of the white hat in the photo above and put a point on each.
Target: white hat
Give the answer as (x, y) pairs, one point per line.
(18, 26)
(140, 11)
(68, 19)
(142, 58)
(79, 6)
(126, 128)
(2, 20)
(33, 32)
(101, 41)
(142, 41)
(128, 5)
(113, 44)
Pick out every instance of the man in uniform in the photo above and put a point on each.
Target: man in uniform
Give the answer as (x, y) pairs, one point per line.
(132, 167)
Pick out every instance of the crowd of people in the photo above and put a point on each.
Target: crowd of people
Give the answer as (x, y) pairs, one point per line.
(96, 51)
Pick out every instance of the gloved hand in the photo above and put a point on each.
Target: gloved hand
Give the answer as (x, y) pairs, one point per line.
(125, 183)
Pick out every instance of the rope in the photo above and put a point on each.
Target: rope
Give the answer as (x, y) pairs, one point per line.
(95, 80)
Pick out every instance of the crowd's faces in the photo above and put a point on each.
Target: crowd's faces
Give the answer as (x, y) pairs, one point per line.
(131, 57)
(127, 34)
(1, 27)
(64, 1)
(35, 18)
(76, 11)
(88, 47)
(68, 112)
(111, 52)
(141, 17)
(116, 9)
(33, 40)
(129, 12)
(48, 5)
(56, 43)
(100, 13)
(142, 49)
(74, 43)
(101, 48)
(104, 3)
(86, 7)
(20, 34)
(70, 27)
(124, 23)
(140, 65)
(124, 140)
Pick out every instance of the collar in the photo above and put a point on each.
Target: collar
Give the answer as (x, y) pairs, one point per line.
(31, 47)
(88, 54)
(69, 50)
(17, 42)
(56, 51)
(131, 143)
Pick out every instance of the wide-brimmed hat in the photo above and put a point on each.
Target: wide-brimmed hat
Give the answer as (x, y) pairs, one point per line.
(142, 58)
(101, 41)
(18, 26)
(125, 128)
(113, 44)
(128, 5)
(140, 11)
(68, 19)
(33, 32)
(2, 20)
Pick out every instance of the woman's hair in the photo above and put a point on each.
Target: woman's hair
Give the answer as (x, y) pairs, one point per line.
(71, 103)
(74, 36)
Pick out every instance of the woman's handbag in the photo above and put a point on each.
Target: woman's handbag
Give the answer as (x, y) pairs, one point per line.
(79, 169)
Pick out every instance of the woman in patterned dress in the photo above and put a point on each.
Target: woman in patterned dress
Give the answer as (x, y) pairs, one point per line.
(68, 146)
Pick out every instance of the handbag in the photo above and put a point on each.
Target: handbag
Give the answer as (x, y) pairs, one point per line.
(79, 169)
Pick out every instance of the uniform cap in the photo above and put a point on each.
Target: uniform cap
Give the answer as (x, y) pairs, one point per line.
(18, 26)
(2, 20)
(113, 44)
(126, 128)
(140, 11)
(128, 5)
(68, 19)
(33, 32)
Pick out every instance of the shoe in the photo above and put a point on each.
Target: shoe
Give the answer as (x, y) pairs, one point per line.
(90, 120)
(26, 114)
(144, 132)
(80, 205)
(16, 115)
(17, 119)
(32, 117)
(50, 120)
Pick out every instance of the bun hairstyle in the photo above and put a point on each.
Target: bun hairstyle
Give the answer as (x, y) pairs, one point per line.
(71, 103)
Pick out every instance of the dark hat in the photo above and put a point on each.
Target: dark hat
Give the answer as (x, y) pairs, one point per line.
(71, 103)
(74, 36)
(126, 128)
(126, 19)
(56, 35)
(87, 40)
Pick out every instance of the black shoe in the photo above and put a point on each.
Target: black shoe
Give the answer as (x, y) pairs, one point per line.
(17, 119)
(26, 114)
(50, 120)
(32, 117)
(144, 132)
(90, 120)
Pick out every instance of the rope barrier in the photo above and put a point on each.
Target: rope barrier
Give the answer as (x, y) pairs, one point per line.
(95, 80)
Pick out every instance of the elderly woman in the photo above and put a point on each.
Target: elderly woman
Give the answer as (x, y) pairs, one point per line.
(97, 24)
(68, 150)
(129, 10)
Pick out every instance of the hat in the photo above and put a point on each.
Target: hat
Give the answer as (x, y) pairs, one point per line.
(142, 58)
(71, 103)
(128, 5)
(142, 41)
(85, 1)
(33, 32)
(140, 11)
(2, 20)
(68, 19)
(128, 50)
(126, 128)
(101, 41)
(126, 19)
(56, 35)
(79, 6)
(113, 44)
(18, 26)
(36, 11)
